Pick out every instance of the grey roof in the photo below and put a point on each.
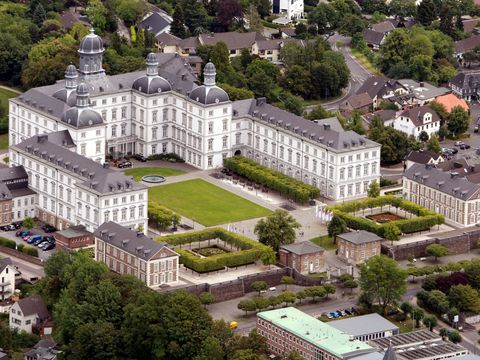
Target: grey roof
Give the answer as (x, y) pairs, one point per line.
(303, 248)
(333, 122)
(4, 263)
(422, 156)
(209, 95)
(468, 357)
(320, 134)
(451, 183)
(168, 39)
(377, 86)
(276, 44)
(360, 237)
(3, 356)
(373, 37)
(130, 241)
(5, 193)
(415, 337)
(82, 117)
(151, 84)
(416, 114)
(34, 305)
(13, 173)
(364, 325)
(390, 354)
(14, 182)
(466, 81)
(43, 350)
(66, 95)
(383, 27)
(156, 22)
(234, 40)
(91, 44)
(359, 100)
(370, 356)
(74, 231)
(423, 90)
(462, 46)
(96, 177)
(385, 115)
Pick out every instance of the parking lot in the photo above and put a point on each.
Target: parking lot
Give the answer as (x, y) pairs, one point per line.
(43, 255)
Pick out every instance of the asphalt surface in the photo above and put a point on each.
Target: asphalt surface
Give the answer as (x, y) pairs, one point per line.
(42, 255)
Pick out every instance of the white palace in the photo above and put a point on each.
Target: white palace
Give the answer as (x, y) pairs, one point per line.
(166, 110)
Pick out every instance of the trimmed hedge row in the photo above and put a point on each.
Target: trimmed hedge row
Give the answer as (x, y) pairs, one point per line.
(424, 221)
(251, 250)
(29, 250)
(272, 179)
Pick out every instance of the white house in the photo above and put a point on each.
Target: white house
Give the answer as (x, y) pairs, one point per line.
(417, 119)
(28, 313)
(7, 283)
(291, 9)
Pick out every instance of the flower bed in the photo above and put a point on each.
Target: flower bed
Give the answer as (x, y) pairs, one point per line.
(424, 218)
(210, 251)
(384, 217)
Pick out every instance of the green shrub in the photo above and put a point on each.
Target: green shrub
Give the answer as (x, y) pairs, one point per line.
(167, 157)
(30, 251)
(251, 250)
(271, 179)
(8, 243)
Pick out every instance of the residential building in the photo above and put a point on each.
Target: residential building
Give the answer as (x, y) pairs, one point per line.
(416, 120)
(7, 282)
(28, 313)
(165, 110)
(419, 345)
(366, 327)
(358, 246)
(465, 45)
(450, 101)
(380, 88)
(127, 252)
(6, 204)
(74, 190)
(290, 329)
(384, 27)
(419, 93)
(270, 49)
(305, 257)
(359, 102)
(290, 9)
(74, 237)
(14, 183)
(43, 350)
(374, 39)
(156, 22)
(466, 85)
(450, 191)
(387, 116)
(423, 157)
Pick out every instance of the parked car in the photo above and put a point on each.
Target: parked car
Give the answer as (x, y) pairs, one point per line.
(458, 143)
(49, 246)
(42, 244)
(26, 237)
(124, 164)
(49, 228)
(33, 238)
(464, 147)
(22, 233)
(140, 158)
(348, 312)
(38, 241)
(17, 225)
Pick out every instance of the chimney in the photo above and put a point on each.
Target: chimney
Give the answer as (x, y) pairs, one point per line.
(326, 126)
(261, 100)
(42, 138)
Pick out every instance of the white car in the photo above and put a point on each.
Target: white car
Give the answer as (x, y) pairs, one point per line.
(273, 288)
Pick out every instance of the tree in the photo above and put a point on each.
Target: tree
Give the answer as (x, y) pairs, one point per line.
(268, 256)
(426, 12)
(301, 295)
(423, 136)
(259, 286)
(287, 280)
(329, 289)
(402, 8)
(177, 27)
(28, 223)
(274, 301)
(247, 305)
(228, 12)
(465, 298)
(206, 298)
(454, 337)
(297, 80)
(261, 303)
(101, 346)
(473, 272)
(371, 6)
(39, 15)
(373, 189)
(382, 280)
(434, 145)
(336, 227)
(130, 10)
(263, 7)
(315, 291)
(253, 19)
(391, 232)
(318, 113)
(351, 24)
(287, 297)
(417, 315)
(325, 17)
(406, 307)
(430, 321)
(277, 229)
(293, 355)
(350, 284)
(97, 14)
(458, 121)
(436, 250)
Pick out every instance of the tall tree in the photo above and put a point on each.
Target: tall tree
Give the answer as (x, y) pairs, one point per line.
(391, 232)
(465, 298)
(336, 227)
(436, 250)
(177, 27)
(403, 8)
(426, 12)
(97, 14)
(277, 229)
(458, 121)
(39, 15)
(229, 12)
(434, 145)
(382, 281)
(373, 189)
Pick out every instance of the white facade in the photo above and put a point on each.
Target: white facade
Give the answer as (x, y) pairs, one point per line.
(7, 282)
(426, 123)
(292, 9)
(23, 207)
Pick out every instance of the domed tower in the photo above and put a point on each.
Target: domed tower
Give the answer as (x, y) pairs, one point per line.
(91, 55)
(81, 115)
(83, 96)
(209, 93)
(151, 83)
(67, 94)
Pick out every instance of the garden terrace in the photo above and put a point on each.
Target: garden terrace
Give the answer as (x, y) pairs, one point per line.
(241, 250)
(423, 218)
(272, 179)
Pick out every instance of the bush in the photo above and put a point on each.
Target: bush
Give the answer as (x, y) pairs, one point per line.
(8, 243)
(30, 251)
(271, 179)
(167, 157)
(251, 250)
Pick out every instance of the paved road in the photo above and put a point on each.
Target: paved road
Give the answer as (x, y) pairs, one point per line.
(28, 270)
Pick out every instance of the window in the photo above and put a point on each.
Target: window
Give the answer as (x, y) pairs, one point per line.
(123, 129)
(83, 149)
(224, 142)
(210, 144)
(154, 116)
(210, 127)
(124, 112)
(132, 212)
(225, 125)
(98, 145)
(114, 130)
(114, 114)
(210, 161)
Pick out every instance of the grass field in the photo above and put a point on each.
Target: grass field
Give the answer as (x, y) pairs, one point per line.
(207, 204)
(4, 96)
(138, 173)
(324, 241)
(4, 142)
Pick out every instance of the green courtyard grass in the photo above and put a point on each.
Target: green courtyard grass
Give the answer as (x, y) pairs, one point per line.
(324, 241)
(207, 204)
(4, 142)
(4, 96)
(138, 173)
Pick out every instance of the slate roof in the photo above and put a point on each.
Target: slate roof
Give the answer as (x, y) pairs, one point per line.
(320, 134)
(96, 177)
(276, 44)
(385, 115)
(452, 183)
(4, 263)
(469, 25)
(303, 248)
(383, 27)
(13, 173)
(33, 305)
(364, 325)
(466, 81)
(128, 240)
(74, 231)
(377, 86)
(462, 46)
(360, 100)
(360, 237)
(423, 90)
(3, 356)
(156, 22)
(168, 39)
(422, 156)
(416, 114)
(234, 40)
(373, 37)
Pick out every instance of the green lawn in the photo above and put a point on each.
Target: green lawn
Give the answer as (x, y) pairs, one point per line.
(138, 173)
(4, 142)
(365, 62)
(4, 96)
(207, 204)
(324, 241)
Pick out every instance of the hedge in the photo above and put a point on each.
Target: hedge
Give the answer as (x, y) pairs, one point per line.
(251, 250)
(8, 243)
(424, 221)
(21, 247)
(272, 179)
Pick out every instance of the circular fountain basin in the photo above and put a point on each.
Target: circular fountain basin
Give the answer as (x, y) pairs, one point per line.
(154, 179)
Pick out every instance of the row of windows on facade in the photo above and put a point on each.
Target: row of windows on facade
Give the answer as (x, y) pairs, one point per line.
(281, 346)
(350, 252)
(349, 188)
(446, 200)
(133, 260)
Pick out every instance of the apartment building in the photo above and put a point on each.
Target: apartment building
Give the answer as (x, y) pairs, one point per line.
(127, 252)
(416, 120)
(7, 281)
(451, 191)
(75, 190)
(14, 184)
(165, 110)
